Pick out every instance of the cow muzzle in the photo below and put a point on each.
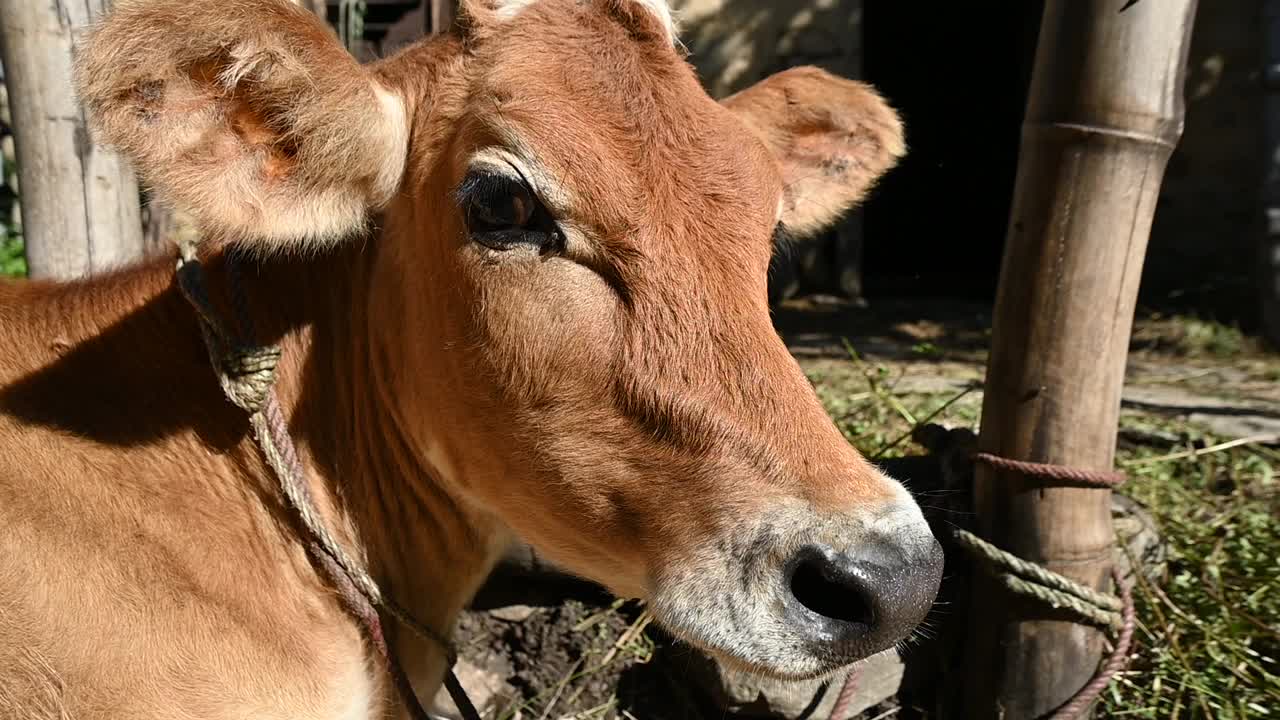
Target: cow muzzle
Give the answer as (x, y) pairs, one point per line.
(802, 593)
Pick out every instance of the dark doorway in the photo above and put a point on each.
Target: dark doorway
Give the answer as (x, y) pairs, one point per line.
(958, 73)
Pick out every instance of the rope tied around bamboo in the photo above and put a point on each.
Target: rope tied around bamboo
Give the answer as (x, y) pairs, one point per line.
(1057, 475)
(1028, 579)
(1024, 578)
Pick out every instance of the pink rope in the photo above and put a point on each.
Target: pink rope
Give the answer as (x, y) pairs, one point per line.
(1060, 475)
(840, 711)
(1119, 659)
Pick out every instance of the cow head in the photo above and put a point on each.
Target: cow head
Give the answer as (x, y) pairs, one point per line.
(572, 244)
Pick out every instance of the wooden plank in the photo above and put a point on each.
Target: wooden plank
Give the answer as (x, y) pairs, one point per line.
(1104, 114)
(80, 203)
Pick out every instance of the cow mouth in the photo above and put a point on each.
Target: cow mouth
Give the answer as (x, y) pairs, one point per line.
(804, 604)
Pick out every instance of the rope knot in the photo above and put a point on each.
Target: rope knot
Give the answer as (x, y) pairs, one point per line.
(247, 374)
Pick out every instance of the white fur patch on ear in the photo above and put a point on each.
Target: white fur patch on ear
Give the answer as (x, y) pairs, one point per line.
(397, 139)
(507, 9)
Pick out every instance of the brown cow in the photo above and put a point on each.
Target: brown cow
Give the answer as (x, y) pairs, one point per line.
(518, 278)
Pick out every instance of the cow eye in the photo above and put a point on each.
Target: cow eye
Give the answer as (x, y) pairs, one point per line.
(502, 213)
(498, 203)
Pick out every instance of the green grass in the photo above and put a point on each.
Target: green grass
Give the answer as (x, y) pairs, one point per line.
(1191, 336)
(1208, 640)
(12, 261)
(863, 398)
(1203, 337)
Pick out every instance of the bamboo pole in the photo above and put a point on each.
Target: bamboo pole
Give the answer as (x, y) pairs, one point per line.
(441, 14)
(317, 7)
(1104, 114)
(80, 209)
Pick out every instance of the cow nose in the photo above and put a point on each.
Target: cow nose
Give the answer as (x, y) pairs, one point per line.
(857, 602)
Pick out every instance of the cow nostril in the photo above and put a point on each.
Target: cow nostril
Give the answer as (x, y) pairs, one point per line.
(826, 589)
(852, 603)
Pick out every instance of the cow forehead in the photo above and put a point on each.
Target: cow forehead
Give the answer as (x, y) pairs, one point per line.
(661, 11)
(624, 124)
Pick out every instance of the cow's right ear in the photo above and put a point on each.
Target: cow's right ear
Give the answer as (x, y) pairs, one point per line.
(246, 113)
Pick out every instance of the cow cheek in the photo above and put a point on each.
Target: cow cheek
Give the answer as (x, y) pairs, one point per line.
(547, 327)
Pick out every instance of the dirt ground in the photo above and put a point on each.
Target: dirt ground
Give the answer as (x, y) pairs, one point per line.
(577, 658)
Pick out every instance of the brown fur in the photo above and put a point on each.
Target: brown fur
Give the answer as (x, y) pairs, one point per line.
(829, 157)
(626, 406)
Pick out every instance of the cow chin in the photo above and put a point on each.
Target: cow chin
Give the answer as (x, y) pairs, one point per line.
(746, 629)
(800, 596)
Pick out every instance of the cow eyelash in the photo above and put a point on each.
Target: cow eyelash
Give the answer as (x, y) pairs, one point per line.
(503, 213)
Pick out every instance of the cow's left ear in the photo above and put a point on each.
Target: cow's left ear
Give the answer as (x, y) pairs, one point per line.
(832, 137)
(249, 114)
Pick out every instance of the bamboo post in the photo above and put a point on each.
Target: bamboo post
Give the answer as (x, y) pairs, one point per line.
(317, 7)
(1104, 114)
(441, 14)
(80, 209)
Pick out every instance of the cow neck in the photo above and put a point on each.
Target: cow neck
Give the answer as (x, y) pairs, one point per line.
(424, 547)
